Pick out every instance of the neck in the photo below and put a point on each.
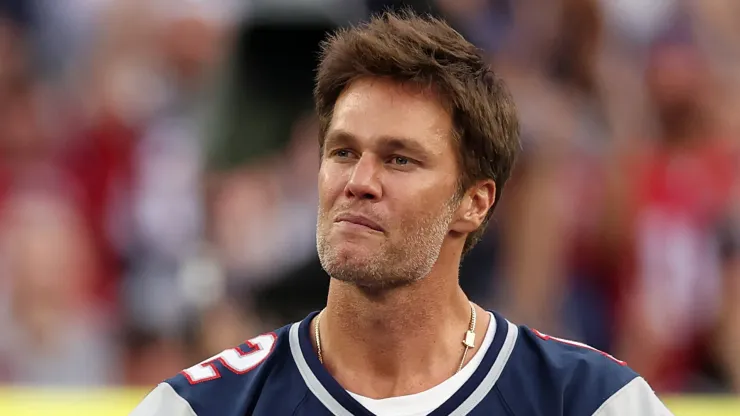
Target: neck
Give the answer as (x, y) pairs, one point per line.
(400, 341)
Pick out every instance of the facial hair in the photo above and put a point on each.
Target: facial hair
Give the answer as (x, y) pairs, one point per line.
(406, 255)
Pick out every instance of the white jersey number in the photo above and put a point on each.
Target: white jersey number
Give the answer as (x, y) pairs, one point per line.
(236, 360)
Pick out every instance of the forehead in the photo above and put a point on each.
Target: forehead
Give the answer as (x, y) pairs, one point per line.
(374, 107)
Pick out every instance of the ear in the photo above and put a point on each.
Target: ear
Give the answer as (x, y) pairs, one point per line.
(474, 206)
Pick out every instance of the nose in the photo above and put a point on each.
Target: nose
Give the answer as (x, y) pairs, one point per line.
(364, 182)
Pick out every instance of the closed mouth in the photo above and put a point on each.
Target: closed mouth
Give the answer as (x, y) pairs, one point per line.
(359, 220)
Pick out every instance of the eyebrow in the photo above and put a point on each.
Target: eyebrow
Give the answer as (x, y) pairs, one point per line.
(386, 143)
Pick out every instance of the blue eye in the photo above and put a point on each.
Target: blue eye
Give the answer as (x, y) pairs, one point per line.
(400, 160)
(342, 153)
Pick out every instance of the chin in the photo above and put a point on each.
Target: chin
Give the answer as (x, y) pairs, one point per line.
(367, 277)
(367, 269)
(349, 260)
(355, 246)
(354, 255)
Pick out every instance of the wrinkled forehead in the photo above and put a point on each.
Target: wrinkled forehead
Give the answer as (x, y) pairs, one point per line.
(375, 108)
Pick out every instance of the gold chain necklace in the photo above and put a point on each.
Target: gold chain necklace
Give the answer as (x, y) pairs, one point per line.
(468, 340)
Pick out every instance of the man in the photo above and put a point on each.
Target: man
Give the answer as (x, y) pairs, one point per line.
(417, 139)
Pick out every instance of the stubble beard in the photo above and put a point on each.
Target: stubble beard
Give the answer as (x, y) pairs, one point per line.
(392, 263)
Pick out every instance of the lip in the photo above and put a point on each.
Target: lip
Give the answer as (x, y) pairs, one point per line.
(359, 220)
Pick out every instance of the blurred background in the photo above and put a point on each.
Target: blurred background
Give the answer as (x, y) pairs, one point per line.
(158, 165)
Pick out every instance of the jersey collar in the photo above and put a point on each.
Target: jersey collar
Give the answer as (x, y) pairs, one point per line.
(336, 399)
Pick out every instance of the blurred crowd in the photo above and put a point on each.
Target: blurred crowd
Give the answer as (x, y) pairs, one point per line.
(158, 165)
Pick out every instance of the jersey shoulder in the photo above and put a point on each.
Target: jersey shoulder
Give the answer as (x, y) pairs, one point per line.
(555, 373)
(230, 382)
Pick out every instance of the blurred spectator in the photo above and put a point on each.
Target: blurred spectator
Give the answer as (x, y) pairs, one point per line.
(664, 240)
(264, 225)
(54, 330)
(265, 218)
(726, 335)
(554, 76)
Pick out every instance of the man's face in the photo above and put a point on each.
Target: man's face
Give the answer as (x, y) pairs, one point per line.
(387, 184)
(676, 79)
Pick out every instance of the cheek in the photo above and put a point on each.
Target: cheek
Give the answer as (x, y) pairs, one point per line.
(438, 202)
(330, 186)
(416, 207)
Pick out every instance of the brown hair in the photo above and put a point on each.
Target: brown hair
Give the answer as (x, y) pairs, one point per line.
(426, 51)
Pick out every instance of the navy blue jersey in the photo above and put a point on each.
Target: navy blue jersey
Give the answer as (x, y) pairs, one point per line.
(523, 372)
